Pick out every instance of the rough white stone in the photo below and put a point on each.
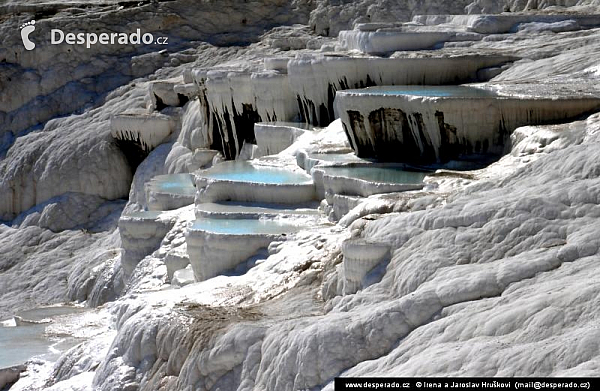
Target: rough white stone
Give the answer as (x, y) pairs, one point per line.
(141, 234)
(73, 154)
(360, 257)
(183, 277)
(176, 260)
(139, 127)
(211, 253)
(68, 211)
(8, 376)
(56, 80)
(162, 93)
(330, 17)
(277, 64)
(274, 137)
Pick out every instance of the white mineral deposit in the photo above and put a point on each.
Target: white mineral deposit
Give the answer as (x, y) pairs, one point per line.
(225, 195)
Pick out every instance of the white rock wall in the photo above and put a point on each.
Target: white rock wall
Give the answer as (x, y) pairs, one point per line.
(415, 129)
(234, 100)
(140, 237)
(73, 155)
(148, 130)
(211, 254)
(274, 138)
(360, 257)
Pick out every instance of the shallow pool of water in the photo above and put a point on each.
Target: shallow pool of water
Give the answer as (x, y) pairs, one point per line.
(181, 184)
(246, 172)
(245, 226)
(433, 91)
(378, 174)
(21, 343)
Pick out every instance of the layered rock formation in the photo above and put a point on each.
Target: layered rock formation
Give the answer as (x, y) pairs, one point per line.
(429, 125)
(472, 267)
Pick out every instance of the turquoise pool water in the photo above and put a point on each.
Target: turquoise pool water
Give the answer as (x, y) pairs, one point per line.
(378, 174)
(244, 226)
(181, 184)
(433, 91)
(246, 172)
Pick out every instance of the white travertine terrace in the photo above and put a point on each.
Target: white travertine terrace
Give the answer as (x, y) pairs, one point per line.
(360, 257)
(211, 254)
(341, 184)
(344, 185)
(141, 234)
(274, 137)
(236, 210)
(314, 79)
(213, 190)
(162, 93)
(146, 129)
(234, 99)
(431, 126)
(167, 192)
(217, 245)
(308, 160)
(504, 23)
(227, 234)
(277, 63)
(273, 96)
(388, 39)
(295, 188)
